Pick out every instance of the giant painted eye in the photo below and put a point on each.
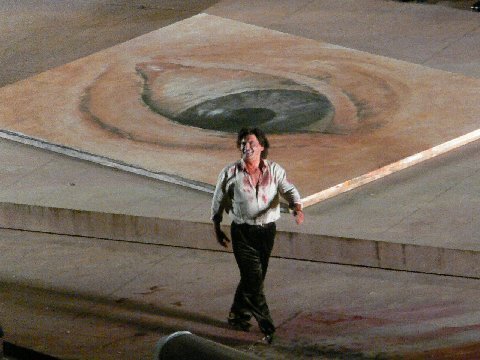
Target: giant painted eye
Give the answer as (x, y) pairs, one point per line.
(179, 103)
(229, 99)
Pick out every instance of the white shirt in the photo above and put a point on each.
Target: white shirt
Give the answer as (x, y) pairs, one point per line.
(255, 205)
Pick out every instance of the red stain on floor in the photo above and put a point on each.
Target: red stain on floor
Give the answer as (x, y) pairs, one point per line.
(393, 330)
(462, 352)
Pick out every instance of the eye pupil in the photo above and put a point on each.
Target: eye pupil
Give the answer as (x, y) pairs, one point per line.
(275, 111)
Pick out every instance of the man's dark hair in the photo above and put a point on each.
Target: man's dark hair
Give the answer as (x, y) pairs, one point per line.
(261, 137)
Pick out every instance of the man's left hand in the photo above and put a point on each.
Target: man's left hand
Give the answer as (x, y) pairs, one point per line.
(299, 216)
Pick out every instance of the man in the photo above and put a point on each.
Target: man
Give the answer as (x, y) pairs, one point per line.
(248, 190)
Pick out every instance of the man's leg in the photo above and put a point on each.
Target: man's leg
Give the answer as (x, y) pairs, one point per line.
(252, 246)
(265, 247)
(240, 313)
(239, 316)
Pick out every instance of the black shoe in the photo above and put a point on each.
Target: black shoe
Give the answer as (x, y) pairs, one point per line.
(268, 339)
(268, 329)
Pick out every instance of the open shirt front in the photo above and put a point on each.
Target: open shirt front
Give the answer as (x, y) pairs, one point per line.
(255, 205)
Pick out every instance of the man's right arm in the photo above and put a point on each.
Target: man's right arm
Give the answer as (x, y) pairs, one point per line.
(220, 235)
(218, 207)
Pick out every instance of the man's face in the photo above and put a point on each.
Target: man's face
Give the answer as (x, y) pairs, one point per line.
(251, 148)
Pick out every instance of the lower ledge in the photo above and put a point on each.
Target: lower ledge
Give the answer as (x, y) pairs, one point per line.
(196, 235)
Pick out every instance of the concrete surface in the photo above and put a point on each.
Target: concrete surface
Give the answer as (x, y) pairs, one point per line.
(403, 230)
(41, 34)
(51, 282)
(95, 299)
(440, 37)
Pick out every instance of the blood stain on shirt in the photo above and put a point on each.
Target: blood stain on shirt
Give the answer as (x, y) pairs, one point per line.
(246, 184)
(264, 198)
(266, 180)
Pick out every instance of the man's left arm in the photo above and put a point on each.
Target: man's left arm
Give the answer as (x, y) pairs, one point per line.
(290, 193)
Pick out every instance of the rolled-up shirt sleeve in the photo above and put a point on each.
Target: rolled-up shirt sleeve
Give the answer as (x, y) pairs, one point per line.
(286, 189)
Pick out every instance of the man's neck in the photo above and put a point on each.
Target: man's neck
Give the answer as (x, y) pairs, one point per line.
(252, 165)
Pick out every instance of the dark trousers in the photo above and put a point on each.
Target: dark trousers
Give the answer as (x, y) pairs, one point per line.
(252, 246)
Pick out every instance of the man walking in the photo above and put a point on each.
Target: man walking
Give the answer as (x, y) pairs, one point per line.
(248, 190)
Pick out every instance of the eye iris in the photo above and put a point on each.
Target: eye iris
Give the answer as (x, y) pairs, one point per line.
(276, 111)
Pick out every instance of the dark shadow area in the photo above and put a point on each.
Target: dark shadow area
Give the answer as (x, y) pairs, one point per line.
(121, 311)
(15, 352)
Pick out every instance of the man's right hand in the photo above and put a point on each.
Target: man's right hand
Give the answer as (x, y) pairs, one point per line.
(221, 237)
